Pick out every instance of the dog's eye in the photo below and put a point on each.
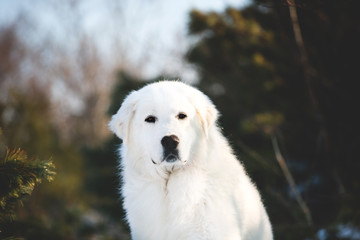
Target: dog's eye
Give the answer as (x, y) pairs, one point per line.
(150, 119)
(181, 116)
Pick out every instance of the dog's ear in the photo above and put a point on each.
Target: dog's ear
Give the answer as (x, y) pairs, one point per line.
(206, 111)
(119, 123)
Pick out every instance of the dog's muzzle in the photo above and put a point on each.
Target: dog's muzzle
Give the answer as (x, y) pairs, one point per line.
(170, 144)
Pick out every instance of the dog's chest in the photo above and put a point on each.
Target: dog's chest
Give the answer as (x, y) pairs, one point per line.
(174, 204)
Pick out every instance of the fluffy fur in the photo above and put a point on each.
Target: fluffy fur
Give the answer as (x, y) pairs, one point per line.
(203, 194)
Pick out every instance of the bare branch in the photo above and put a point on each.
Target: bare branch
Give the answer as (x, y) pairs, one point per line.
(290, 180)
(308, 71)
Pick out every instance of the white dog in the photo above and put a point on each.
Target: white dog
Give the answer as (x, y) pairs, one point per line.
(181, 178)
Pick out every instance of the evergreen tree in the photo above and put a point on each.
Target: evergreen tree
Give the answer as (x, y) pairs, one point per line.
(19, 174)
(53, 210)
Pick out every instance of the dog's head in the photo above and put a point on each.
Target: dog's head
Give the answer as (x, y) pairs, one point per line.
(164, 122)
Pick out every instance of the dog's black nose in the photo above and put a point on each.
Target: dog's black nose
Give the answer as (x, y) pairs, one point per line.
(170, 142)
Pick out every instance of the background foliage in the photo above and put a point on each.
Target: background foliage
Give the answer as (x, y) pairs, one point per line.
(250, 58)
(285, 107)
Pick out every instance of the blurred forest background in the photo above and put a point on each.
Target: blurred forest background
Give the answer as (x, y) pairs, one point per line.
(283, 73)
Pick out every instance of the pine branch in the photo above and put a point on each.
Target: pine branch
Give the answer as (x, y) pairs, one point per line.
(19, 174)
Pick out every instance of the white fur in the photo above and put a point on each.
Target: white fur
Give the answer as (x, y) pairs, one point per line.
(204, 195)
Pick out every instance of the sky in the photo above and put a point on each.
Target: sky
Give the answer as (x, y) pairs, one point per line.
(154, 32)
